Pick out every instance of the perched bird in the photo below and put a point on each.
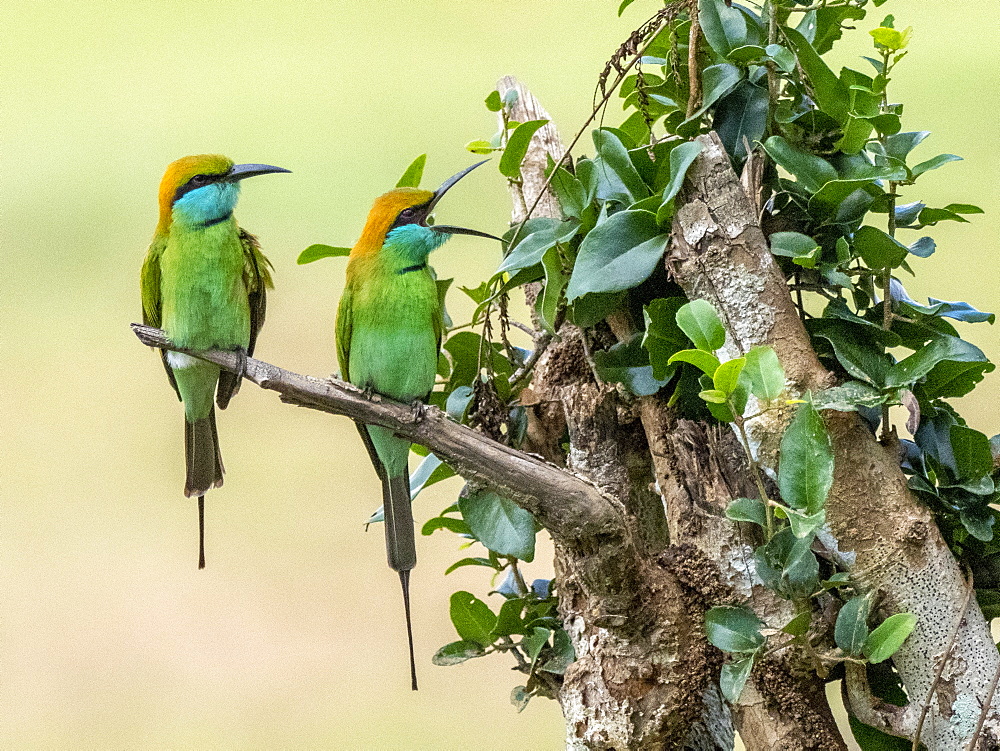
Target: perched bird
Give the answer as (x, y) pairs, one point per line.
(389, 327)
(204, 283)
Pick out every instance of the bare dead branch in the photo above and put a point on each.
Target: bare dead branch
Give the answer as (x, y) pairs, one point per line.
(573, 511)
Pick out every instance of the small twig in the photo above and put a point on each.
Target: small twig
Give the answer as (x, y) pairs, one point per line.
(944, 661)
(694, 82)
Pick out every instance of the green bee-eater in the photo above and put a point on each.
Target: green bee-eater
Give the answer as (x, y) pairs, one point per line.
(389, 327)
(204, 283)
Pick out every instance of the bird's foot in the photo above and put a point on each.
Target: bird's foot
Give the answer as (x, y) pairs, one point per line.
(418, 411)
(241, 363)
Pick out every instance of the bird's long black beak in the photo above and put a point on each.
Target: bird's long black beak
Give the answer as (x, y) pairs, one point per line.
(452, 230)
(243, 171)
(445, 187)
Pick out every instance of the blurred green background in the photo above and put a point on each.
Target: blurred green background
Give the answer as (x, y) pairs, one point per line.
(293, 636)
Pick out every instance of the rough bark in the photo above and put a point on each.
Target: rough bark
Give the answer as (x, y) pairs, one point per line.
(880, 532)
(644, 676)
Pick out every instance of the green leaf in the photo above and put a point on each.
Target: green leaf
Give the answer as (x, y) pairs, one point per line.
(939, 161)
(536, 238)
(764, 372)
(941, 348)
(450, 523)
(411, 178)
(805, 467)
(480, 147)
(457, 652)
(704, 361)
(717, 81)
(741, 117)
(787, 565)
(727, 375)
(564, 655)
(533, 643)
(811, 171)
(802, 249)
(499, 523)
(615, 157)
(725, 28)
(509, 621)
(315, 252)
(799, 625)
(699, 320)
(618, 254)
(628, 363)
(851, 630)
(555, 283)
(873, 739)
(663, 337)
(472, 618)
(849, 396)
(877, 249)
(885, 640)
(783, 57)
(734, 629)
(681, 158)
(831, 94)
(733, 677)
(517, 147)
(805, 525)
(747, 510)
(713, 396)
(469, 562)
(973, 455)
(570, 193)
(493, 101)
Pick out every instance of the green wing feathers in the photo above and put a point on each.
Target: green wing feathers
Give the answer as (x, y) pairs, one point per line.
(257, 280)
(152, 304)
(344, 329)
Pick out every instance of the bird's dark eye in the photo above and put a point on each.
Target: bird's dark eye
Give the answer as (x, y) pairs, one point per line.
(407, 213)
(200, 179)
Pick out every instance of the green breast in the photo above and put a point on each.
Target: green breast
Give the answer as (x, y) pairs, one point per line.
(394, 335)
(205, 302)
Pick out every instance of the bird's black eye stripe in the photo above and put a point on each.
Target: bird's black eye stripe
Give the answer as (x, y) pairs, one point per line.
(195, 182)
(410, 215)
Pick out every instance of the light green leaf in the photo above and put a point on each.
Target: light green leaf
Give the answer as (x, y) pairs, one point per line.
(536, 238)
(493, 101)
(315, 252)
(411, 178)
(517, 147)
(725, 28)
(704, 361)
(885, 640)
(699, 320)
(727, 375)
(555, 282)
(713, 396)
(805, 525)
(764, 372)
